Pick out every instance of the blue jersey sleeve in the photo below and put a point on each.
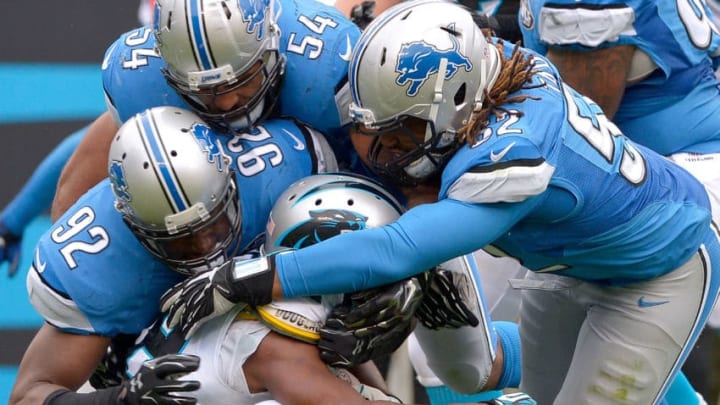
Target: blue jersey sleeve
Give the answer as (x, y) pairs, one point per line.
(369, 258)
(132, 76)
(91, 275)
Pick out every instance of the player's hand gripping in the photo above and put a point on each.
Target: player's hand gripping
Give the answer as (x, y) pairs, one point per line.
(204, 296)
(447, 301)
(156, 383)
(9, 249)
(371, 323)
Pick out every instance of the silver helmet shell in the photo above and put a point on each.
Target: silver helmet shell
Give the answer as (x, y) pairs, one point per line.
(175, 188)
(425, 59)
(210, 45)
(321, 206)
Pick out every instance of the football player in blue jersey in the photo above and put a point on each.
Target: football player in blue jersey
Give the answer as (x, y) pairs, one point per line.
(234, 63)
(179, 199)
(507, 157)
(649, 65)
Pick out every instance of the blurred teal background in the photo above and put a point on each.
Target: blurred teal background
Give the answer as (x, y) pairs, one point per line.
(50, 86)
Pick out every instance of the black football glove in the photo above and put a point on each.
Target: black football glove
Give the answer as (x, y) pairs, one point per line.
(370, 324)
(156, 383)
(10, 245)
(204, 296)
(111, 370)
(445, 301)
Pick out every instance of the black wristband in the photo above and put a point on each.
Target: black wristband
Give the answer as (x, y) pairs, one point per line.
(105, 396)
(253, 280)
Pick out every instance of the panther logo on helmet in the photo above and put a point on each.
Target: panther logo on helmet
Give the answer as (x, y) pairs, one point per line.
(208, 144)
(418, 60)
(322, 225)
(117, 179)
(253, 12)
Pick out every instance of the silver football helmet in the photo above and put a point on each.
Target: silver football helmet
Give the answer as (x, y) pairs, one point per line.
(321, 206)
(427, 60)
(175, 189)
(216, 47)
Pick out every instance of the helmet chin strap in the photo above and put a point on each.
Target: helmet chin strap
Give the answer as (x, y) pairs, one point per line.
(437, 96)
(424, 166)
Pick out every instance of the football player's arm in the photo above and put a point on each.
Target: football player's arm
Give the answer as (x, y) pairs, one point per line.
(421, 239)
(600, 74)
(279, 361)
(37, 194)
(56, 360)
(369, 374)
(87, 165)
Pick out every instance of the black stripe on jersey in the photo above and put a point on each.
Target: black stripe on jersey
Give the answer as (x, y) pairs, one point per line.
(310, 145)
(504, 165)
(585, 6)
(56, 291)
(343, 81)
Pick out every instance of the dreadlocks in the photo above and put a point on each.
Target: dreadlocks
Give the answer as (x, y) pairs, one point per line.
(514, 73)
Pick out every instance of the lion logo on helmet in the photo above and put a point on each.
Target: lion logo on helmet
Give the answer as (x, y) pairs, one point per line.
(117, 179)
(208, 144)
(254, 13)
(418, 60)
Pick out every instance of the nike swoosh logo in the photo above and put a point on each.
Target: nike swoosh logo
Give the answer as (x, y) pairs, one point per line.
(39, 266)
(348, 50)
(645, 304)
(496, 157)
(298, 144)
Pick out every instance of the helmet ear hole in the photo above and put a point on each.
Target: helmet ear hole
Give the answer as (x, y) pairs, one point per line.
(383, 57)
(350, 202)
(226, 9)
(460, 95)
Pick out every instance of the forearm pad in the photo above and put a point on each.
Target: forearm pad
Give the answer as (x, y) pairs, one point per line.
(105, 396)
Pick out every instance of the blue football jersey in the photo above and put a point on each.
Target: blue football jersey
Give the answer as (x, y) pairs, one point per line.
(90, 274)
(551, 182)
(132, 76)
(315, 38)
(605, 208)
(676, 107)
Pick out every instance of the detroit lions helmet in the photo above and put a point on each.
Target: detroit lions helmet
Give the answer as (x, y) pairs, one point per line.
(426, 60)
(216, 47)
(175, 189)
(321, 206)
